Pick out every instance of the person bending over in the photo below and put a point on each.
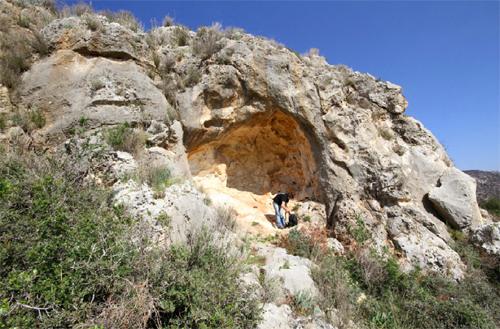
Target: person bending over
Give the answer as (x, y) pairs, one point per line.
(281, 201)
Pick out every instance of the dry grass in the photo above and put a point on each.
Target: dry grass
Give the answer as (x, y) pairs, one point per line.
(131, 309)
(15, 59)
(93, 22)
(127, 19)
(372, 268)
(125, 138)
(309, 242)
(337, 295)
(271, 287)
(226, 217)
(206, 43)
(181, 36)
(78, 9)
(168, 21)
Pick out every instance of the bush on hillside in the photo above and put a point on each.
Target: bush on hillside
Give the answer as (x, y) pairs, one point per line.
(206, 43)
(69, 258)
(127, 19)
(15, 58)
(492, 205)
(371, 287)
(125, 138)
(61, 252)
(181, 36)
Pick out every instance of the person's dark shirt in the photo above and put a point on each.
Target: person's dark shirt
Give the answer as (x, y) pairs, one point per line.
(281, 197)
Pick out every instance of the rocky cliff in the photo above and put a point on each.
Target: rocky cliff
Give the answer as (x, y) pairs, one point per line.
(254, 118)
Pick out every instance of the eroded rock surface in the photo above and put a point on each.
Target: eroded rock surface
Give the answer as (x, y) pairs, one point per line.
(67, 87)
(294, 272)
(254, 118)
(455, 199)
(487, 237)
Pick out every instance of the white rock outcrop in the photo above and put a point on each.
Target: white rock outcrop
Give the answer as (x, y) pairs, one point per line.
(455, 199)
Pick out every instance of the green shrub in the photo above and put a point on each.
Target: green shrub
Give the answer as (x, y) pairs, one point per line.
(93, 22)
(23, 21)
(39, 44)
(301, 244)
(3, 123)
(37, 118)
(373, 289)
(409, 300)
(60, 245)
(127, 19)
(125, 138)
(192, 77)
(71, 259)
(302, 303)
(158, 177)
(15, 58)
(270, 285)
(199, 287)
(492, 205)
(337, 290)
(359, 232)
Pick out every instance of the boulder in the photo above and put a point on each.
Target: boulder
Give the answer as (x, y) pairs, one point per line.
(487, 238)
(276, 317)
(294, 272)
(455, 199)
(421, 246)
(335, 245)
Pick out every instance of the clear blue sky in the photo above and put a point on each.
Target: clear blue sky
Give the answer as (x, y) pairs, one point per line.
(445, 54)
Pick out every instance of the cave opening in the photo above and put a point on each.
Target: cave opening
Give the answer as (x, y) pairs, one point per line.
(248, 164)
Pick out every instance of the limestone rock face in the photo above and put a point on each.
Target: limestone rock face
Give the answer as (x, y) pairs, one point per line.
(420, 245)
(455, 199)
(256, 119)
(68, 87)
(95, 36)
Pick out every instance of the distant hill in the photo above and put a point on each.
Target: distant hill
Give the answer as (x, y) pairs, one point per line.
(488, 184)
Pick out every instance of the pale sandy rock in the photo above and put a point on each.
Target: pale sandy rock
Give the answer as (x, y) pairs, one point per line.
(106, 39)
(420, 246)
(255, 119)
(310, 211)
(123, 164)
(455, 199)
(487, 237)
(183, 204)
(335, 246)
(276, 317)
(485, 214)
(5, 103)
(102, 91)
(293, 271)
